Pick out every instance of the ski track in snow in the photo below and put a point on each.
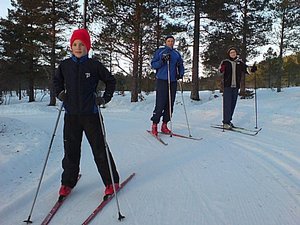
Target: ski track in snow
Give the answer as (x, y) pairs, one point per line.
(225, 179)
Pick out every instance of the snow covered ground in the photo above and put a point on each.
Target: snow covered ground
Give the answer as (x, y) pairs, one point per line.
(225, 179)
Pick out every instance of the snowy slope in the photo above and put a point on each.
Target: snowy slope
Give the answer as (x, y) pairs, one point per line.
(225, 179)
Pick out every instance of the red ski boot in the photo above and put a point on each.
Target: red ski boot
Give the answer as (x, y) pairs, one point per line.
(109, 190)
(64, 191)
(154, 129)
(165, 129)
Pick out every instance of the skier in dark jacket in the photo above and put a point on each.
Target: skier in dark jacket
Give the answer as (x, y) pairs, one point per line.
(232, 69)
(75, 84)
(168, 62)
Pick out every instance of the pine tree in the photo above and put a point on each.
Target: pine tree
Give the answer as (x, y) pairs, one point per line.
(125, 34)
(243, 24)
(60, 14)
(292, 69)
(25, 22)
(37, 27)
(287, 14)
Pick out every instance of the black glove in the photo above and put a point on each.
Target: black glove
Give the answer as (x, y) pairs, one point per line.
(62, 96)
(107, 97)
(178, 77)
(100, 101)
(253, 68)
(166, 57)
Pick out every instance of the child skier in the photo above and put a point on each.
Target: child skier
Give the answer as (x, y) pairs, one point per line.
(75, 84)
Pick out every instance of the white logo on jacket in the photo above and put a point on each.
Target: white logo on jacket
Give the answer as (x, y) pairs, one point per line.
(87, 75)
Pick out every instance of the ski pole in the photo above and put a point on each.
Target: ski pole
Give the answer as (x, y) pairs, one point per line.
(223, 107)
(255, 101)
(44, 167)
(109, 163)
(170, 101)
(186, 117)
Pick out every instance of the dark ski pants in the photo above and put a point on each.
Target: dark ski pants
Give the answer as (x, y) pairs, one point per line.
(162, 108)
(74, 126)
(230, 96)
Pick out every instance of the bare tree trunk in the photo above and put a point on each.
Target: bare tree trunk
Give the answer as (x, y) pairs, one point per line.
(20, 91)
(84, 13)
(157, 28)
(31, 88)
(134, 86)
(52, 63)
(280, 57)
(195, 67)
(31, 81)
(244, 50)
(140, 70)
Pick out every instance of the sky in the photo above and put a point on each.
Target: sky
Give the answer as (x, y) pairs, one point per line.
(4, 5)
(227, 178)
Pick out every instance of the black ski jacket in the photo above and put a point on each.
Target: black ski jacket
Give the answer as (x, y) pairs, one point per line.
(79, 79)
(241, 68)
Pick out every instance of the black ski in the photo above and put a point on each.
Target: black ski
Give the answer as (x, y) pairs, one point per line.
(105, 202)
(55, 208)
(157, 138)
(182, 136)
(242, 130)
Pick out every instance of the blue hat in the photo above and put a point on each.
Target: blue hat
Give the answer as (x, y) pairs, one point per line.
(169, 36)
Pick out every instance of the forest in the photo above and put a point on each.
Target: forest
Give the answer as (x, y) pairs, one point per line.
(35, 38)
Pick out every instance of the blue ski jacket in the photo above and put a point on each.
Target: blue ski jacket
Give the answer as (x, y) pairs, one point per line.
(161, 67)
(79, 79)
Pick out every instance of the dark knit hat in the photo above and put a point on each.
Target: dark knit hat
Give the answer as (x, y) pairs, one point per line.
(169, 36)
(232, 48)
(82, 35)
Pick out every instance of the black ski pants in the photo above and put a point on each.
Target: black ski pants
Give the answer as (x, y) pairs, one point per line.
(162, 108)
(74, 126)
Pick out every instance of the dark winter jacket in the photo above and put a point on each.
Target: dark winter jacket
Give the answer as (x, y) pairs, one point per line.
(79, 78)
(226, 69)
(176, 64)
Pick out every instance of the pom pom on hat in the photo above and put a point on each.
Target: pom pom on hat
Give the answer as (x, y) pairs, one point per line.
(82, 35)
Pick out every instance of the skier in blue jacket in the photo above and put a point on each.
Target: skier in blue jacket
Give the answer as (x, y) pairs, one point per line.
(75, 84)
(168, 64)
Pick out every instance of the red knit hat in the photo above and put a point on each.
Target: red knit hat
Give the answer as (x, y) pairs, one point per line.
(82, 35)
